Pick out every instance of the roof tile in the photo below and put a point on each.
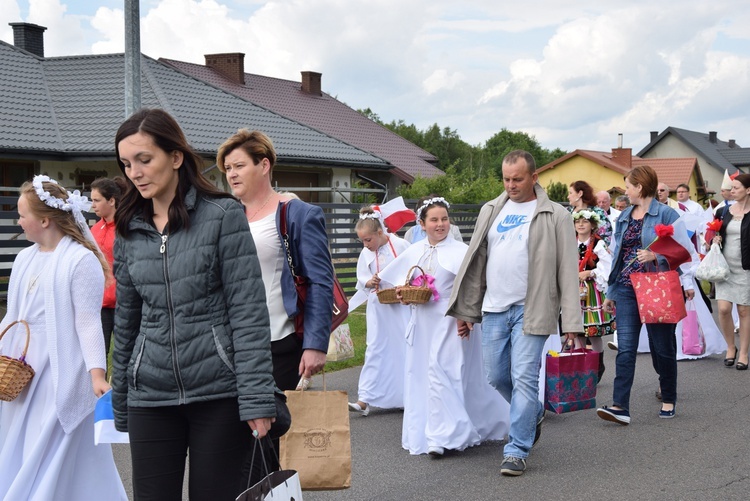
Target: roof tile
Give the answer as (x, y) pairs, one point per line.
(323, 113)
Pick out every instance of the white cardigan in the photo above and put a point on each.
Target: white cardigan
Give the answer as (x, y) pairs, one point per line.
(73, 290)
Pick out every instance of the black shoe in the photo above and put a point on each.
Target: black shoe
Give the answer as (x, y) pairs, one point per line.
(658, 394)
(538, 432)
(741, 366)
(512, 467)
(730, 361)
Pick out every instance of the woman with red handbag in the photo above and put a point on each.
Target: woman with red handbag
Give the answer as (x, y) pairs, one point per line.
(247, 159)
(287, 232)
(634, 252)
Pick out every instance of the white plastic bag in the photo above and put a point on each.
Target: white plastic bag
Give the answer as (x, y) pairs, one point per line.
(714, 267)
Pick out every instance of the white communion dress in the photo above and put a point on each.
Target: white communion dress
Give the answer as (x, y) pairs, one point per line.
(447, 400)
(381, 382)
(38, 459)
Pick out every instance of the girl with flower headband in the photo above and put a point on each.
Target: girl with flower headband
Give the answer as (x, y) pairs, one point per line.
(381, 382)
(448, 403)
(581, 197)
(47, 449)
(594, 265)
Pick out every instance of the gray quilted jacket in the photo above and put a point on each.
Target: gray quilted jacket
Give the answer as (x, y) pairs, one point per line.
(191, 323)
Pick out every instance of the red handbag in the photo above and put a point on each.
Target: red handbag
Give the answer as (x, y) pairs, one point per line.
(659, 297)
(340, 307)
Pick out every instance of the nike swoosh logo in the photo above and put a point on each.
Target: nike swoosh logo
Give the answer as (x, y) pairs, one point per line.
(510, 223)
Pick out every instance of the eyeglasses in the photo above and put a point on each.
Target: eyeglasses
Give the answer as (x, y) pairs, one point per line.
(662, 189)
(682, 191)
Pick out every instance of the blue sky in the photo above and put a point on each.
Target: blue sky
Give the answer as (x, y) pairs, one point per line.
(574, 74)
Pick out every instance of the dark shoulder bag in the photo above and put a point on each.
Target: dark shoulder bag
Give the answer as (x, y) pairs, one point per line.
(340, 307)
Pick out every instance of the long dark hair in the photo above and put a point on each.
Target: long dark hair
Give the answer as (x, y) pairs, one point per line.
(111, 188)
(167, 135)
(587, 195)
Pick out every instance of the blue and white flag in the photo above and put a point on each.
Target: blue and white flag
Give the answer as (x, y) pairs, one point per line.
(104, 423)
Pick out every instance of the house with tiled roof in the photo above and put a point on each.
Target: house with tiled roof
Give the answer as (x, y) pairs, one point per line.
(305, 102)
(714, 155)
(59, 116)
(605, 171)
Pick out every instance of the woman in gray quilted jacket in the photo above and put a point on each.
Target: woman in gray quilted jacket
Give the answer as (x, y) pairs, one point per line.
(192, 361)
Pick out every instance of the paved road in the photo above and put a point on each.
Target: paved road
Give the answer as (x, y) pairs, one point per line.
(701, 454)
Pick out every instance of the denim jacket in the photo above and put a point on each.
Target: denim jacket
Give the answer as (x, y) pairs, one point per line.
(658, 213)
(309, 245)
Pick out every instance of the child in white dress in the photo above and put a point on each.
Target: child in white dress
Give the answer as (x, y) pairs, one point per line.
(47, 446)
(448, 403)
(381, 382)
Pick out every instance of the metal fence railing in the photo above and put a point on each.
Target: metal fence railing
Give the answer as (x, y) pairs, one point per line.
(340, 221)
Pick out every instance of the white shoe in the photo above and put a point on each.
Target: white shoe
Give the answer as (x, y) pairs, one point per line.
(612, 345)
(354, 407)
(435, 451)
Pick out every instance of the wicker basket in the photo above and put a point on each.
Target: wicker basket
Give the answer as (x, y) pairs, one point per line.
(15, 374)
(411, 294)
(387, 296)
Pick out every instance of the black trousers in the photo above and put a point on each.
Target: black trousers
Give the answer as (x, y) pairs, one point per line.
(217, 440)
(108, 326)
(286, 354)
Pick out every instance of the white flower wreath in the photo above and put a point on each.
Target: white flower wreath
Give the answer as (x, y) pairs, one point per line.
(587, 214)
(75, 201)
(431, 201)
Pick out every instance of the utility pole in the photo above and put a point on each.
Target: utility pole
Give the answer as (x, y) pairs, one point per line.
(132, 57)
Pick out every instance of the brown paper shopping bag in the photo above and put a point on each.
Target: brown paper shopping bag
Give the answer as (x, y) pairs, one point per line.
(318, 444)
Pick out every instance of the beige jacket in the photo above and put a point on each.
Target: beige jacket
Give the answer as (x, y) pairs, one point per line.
(553, 269)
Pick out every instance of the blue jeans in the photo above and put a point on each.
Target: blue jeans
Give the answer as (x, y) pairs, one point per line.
(512, 362)
(661, 341)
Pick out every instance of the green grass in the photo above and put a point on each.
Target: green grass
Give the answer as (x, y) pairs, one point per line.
(358, 331)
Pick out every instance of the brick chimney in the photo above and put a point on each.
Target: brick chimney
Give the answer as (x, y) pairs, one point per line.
(712, 136)
(311, 83)
(732, 143)
(231, 65)
(623, 156)
(29, 37)
(654, 135)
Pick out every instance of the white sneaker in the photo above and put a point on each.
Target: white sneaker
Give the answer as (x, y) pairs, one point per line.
(435, 451)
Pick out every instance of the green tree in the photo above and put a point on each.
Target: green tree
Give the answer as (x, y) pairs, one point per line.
(506, 141)
(557, 191)
(452, 151)
(456, 186)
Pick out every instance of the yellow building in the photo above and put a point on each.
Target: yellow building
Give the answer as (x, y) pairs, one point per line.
(605, 171)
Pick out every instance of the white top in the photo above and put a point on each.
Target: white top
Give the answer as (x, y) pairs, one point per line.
(272, 262)
(508, 256)
(693, 207)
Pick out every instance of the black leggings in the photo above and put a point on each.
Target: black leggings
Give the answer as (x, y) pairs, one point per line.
(217, 440)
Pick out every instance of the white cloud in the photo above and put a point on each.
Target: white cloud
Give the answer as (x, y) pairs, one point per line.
(441, 80)
(9, 13)
(572, 73)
